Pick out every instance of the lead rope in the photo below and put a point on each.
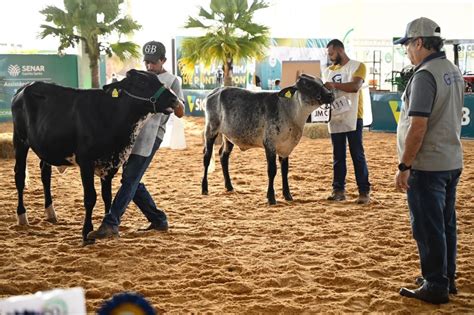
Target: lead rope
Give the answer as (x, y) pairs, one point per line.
(151, 99)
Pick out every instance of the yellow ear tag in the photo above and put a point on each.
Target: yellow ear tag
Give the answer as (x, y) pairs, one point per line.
(288, 94)
(115, 93)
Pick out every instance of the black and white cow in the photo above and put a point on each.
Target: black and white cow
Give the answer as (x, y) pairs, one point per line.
(94, 129)
(270, 120)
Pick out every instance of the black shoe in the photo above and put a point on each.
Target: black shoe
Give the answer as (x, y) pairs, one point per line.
(104, 231)
(452, 284)
(364, 198)
(425, 295)
(156, 227)
(419, 281)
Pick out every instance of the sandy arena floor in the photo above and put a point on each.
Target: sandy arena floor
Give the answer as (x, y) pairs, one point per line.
(231, 252)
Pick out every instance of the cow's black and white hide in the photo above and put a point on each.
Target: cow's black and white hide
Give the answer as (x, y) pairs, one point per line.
(92, 128)
(270, 120)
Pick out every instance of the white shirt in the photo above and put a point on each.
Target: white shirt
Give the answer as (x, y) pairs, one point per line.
(155, 126)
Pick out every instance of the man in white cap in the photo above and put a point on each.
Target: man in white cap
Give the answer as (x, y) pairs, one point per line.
(430, 156)
(147, 143)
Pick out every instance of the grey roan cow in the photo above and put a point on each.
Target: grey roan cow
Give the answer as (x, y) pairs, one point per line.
(272, 120)
(94, 128)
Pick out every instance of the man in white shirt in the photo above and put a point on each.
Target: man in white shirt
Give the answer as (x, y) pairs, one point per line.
(345, 77)
(147, 143)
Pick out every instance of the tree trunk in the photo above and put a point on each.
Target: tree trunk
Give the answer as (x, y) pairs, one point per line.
(94, 66)
(94, 54)
(228, 72)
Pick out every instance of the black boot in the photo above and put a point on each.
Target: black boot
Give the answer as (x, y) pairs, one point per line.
(452, 284)
(104, 231)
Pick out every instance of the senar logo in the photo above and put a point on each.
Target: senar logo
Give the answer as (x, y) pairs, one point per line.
(14, 70)
(32, 70)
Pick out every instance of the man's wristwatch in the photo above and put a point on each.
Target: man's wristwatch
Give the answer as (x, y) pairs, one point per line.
(403, 167)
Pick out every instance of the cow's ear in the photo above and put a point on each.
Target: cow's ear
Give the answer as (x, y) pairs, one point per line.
(287, 92)
(131, 72)
(112, 89)
(109, 86)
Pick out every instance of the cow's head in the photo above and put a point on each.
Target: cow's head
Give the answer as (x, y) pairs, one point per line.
(312, 90)
(145, 86)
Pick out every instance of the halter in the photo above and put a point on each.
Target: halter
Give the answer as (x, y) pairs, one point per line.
(152, 99)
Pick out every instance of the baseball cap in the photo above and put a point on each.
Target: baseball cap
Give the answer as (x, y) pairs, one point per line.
(153, 51)
(421, 27)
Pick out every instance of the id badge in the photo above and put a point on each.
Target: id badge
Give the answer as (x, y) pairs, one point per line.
(340, 105)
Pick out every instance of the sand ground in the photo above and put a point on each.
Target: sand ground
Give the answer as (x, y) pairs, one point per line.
(231, 252)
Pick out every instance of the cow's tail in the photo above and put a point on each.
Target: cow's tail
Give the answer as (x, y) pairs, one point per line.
(212, 163)
(21, 151)
(27, 177)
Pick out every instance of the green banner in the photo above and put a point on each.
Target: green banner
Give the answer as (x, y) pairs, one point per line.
(17, 70)
(386, 111)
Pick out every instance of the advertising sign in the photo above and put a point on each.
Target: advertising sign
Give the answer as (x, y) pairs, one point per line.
(285, 50)
(194, 102)
(386, 112)
(206, 78)
(17, 70)
(58, 301)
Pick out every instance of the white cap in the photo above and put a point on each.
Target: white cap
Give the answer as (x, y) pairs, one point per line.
(421, 27)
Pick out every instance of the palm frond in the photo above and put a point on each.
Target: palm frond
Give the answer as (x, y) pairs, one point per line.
(125, 50)
(205, 14)
(79, 22)
(194, 23)
(231, 35)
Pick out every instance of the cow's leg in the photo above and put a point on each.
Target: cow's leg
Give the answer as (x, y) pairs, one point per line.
(284, 163)
(106, 190)
(224, 153)
(208, 147)
(90, 197)
(48, 200)
(271, 171)
(21, 152)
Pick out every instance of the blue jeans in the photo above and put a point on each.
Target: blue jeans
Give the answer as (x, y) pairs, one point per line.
(431, 200)
(133, 189)
(358, 159)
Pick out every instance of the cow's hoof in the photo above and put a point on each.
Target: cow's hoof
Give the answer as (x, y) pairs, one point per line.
(51, 214)
(205, 193)
(230, 189)
(288, 198)
(88, 242)
(272, 202)
(52, 220)
(23, 219)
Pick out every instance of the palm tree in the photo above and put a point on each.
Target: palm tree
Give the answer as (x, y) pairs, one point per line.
(230, 36)
(91, 22)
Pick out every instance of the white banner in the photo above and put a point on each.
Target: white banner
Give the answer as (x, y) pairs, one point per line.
(57, 302)
(322, 114)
